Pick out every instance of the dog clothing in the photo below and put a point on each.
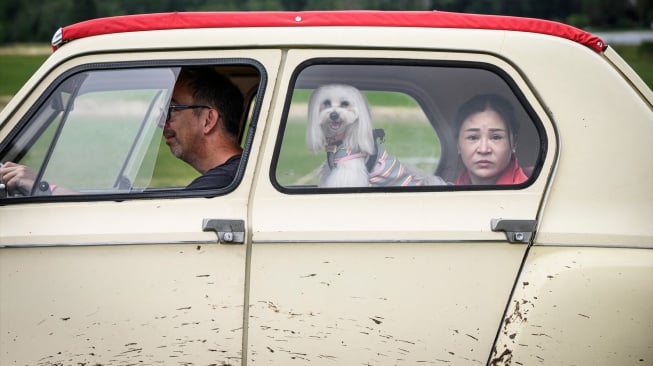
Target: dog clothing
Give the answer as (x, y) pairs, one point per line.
(383, 169)
(388, 171)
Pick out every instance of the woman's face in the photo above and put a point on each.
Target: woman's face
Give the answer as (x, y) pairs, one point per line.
(484, 146)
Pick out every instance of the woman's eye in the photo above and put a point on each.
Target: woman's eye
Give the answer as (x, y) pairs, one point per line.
(496, 137)
(471, 137)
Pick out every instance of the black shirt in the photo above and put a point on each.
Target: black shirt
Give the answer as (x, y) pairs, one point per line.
(218, 177)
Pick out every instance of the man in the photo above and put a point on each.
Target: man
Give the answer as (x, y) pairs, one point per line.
(202, 128)
(203, 125)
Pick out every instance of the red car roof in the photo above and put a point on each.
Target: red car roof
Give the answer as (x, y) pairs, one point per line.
(429, 19)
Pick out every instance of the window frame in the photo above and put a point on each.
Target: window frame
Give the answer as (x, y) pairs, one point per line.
(446, 153)
(249, 123)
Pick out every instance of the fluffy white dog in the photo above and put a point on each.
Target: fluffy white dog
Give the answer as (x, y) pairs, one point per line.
(339, 122)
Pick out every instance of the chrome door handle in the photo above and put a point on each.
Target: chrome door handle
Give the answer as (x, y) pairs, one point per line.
(517, 231)
(228, 231)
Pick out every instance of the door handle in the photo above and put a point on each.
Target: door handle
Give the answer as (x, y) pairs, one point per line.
(517, 231)
(228, 231)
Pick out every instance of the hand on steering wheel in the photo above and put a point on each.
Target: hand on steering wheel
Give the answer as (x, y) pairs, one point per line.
(17, 179)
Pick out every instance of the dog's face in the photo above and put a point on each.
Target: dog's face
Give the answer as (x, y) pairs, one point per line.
(338, 112)
(337, 108)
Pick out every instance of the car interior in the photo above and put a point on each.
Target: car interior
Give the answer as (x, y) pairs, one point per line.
(439, 89)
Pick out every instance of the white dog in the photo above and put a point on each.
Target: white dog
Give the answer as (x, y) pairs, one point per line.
(339, 122)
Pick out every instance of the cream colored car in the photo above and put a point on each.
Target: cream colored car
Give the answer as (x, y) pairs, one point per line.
(281, 268)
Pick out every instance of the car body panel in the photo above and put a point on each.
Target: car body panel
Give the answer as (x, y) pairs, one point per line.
(617, 208)
(367, 270)
(86, 253)
(379, 303)
(580, 306)
(102, 304)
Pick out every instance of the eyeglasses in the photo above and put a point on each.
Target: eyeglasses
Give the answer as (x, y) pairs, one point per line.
(175, 107)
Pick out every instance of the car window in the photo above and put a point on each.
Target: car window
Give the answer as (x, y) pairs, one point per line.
(101, 132)
(351, 124)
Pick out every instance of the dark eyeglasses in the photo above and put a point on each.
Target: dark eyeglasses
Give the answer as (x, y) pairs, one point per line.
(176, 107)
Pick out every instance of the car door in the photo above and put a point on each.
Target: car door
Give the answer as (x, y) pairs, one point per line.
(389, 275)
(109, 273)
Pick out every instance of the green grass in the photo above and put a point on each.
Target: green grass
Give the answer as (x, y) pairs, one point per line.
(15, 70)
(640, 58)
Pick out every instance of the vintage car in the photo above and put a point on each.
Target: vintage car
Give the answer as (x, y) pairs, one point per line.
(130, 268)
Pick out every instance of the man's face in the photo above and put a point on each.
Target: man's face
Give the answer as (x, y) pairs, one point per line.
(184, 128)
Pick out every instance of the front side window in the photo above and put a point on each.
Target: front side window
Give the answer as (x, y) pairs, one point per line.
(128, 130)
(374, 126)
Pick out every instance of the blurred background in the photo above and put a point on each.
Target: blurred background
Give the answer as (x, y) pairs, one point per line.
(26, 26)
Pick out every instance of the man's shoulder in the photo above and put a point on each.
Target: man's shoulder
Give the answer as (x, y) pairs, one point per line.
(218, 177)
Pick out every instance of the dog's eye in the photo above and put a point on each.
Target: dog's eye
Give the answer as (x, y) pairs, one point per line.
(344, 104)
(326, 104)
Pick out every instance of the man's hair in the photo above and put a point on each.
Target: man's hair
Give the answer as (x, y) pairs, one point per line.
(210, 87)
(493, 102)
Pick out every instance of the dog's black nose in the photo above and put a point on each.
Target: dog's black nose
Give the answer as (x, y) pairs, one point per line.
(334, 116)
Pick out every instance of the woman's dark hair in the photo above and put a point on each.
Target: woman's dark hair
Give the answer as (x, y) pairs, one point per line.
(493, 102)
(210, 87)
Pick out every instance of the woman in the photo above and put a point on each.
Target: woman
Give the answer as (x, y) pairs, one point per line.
(487, 132)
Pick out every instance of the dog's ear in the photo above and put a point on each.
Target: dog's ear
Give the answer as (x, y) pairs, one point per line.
(315, 139)
(362, 135)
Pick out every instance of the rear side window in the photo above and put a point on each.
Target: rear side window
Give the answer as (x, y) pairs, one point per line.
(356, 126)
